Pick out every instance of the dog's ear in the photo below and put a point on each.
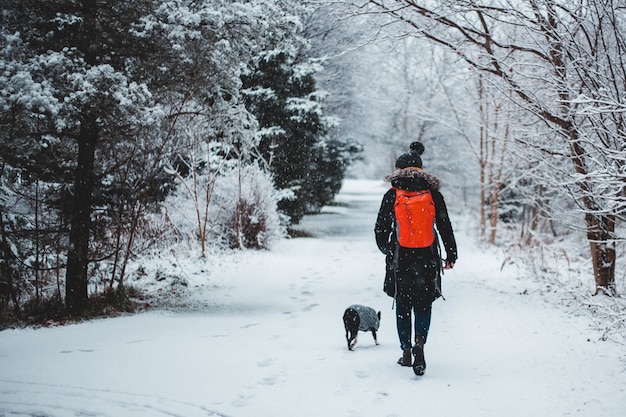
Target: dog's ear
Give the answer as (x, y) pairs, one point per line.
(378, 315)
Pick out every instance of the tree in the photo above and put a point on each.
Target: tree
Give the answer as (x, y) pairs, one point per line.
(217, 134)
(330, 159)
(284, 98)
(97, 95)
(560, 61)
(70, 53)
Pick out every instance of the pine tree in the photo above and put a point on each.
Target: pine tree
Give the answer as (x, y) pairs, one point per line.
(284, 97)
(78, 53)
(96, 96)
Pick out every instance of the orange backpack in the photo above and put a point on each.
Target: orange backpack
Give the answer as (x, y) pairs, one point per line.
(415, 218)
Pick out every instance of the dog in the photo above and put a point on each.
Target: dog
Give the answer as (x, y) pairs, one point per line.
(359, 317)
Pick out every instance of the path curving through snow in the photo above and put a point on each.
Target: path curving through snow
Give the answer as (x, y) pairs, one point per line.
(268, 341)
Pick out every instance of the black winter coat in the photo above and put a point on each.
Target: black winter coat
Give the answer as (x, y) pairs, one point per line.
(413, 274)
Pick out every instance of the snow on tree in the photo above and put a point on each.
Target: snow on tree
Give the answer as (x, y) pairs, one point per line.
(561, 62)
(68, 100)
(283, 95)
(95, 100)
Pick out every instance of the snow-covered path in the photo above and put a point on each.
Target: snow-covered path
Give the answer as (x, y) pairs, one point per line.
(269, 341)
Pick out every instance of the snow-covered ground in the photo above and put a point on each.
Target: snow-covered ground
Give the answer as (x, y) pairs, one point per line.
(265, 338)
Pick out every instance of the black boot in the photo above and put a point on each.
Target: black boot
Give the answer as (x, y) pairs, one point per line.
(419, 363)
(405, 360)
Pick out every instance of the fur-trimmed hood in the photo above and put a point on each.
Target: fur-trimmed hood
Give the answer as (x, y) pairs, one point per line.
(412, 179)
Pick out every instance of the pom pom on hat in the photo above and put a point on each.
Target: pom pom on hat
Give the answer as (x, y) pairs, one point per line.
(417, 147)
(411, 158)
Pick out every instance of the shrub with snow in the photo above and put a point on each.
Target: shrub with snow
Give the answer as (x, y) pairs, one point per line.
(234, 209)
(245, 205)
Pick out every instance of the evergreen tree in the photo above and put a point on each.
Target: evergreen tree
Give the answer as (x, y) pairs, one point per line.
(96, 95)
(331, 157)
(284, 97)
(77, 53)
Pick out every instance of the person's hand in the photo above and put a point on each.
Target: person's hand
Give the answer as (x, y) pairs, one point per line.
(448, 265)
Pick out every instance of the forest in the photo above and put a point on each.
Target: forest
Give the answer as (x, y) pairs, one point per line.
(136, 128)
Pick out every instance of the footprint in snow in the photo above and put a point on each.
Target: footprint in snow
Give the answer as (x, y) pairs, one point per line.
(243, 400)
(361, 374)
(268, 381)
(266, 362)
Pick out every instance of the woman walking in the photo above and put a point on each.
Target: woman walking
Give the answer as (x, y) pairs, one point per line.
(404, 231)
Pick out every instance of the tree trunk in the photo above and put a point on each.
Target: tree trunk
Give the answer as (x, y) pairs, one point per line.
(80, 224)
(600, 229)
(7, 284)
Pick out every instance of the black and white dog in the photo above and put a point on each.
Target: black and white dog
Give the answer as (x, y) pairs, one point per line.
(359, 317)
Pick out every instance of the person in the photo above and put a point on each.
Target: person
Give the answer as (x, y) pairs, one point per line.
(413, 275)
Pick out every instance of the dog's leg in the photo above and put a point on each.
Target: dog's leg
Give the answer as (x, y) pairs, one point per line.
(374, 334)
(351, 321)
(353, 343)
(348, 338)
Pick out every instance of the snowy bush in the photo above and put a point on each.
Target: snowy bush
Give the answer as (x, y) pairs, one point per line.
(245, 204)
(234, 209)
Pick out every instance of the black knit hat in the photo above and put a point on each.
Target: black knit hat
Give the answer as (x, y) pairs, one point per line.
(411, 158)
